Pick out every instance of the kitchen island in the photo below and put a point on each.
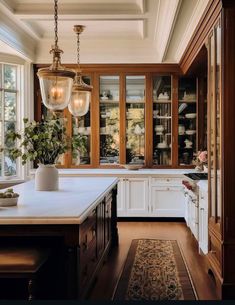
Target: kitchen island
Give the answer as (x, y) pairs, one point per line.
(77, 223)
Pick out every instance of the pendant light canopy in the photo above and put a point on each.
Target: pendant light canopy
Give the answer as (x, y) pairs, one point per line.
(56, 81)
(81, 92)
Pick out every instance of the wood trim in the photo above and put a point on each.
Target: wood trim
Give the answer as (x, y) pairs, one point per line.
(200, 34)
(175, 106)
(95, 119)
(125, 68)
(69, 129)
(201, 112)
(149, 121)
(122, 116)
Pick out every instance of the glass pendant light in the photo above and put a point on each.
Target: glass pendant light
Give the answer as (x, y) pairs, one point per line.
(56, 81)
(81, 92)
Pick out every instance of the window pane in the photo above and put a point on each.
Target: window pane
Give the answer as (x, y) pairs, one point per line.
(9, 126)
(1, 164)
(10, 106)
(10, 77)
(1, 96)
(0, 75)
(9, 166)
(0, 133)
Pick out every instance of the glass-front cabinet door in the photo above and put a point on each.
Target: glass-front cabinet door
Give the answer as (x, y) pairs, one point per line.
(187, 121)
(135, 119)
(81, 129)
(162, 120)
(218, 120)
(214, 140)
(211, 96)
(109, 119)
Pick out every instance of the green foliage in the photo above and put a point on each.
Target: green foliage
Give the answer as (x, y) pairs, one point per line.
(79, 143)
(42, 141)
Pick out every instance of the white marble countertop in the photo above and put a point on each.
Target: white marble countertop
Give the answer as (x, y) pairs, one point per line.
(70, 205)
(122, 172)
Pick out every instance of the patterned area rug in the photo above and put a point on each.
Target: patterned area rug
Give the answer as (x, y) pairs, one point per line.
(154, 270)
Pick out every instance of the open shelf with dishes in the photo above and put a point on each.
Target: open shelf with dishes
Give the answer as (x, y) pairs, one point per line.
(109, 119)
(135, 119)
(187, 121)
(162, 120)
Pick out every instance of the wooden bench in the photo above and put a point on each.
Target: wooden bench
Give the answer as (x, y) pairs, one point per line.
(22, 263)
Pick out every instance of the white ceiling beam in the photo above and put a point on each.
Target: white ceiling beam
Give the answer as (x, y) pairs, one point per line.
(166, 17)
(22, 10)
(13, 36)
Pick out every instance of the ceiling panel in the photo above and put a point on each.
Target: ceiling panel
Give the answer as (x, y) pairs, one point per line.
(95, 29)
(80, 7)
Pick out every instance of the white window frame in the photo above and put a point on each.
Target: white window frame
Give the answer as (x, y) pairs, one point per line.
(24, 108)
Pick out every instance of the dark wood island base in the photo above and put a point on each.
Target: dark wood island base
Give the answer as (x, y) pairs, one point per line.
(78, 251)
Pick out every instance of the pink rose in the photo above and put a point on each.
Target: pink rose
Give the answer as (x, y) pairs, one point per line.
(202, 156)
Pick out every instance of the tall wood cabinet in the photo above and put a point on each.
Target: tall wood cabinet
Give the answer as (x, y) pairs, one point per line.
(221, 145)
(137, 115)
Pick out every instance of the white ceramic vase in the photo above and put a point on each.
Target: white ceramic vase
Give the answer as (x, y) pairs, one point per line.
(46, 178)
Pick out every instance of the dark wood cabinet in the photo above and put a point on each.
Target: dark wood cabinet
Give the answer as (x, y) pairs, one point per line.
(221, 145)
(77, 251)
(95, 241)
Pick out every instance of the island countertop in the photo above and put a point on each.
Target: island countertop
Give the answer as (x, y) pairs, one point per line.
(71, 204)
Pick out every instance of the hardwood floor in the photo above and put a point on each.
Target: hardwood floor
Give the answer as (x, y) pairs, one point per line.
(109, 275)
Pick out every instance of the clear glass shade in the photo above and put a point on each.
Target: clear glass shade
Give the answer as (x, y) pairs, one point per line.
(56, 91)
(79, 103)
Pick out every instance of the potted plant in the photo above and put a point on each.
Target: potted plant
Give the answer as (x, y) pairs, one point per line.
(42, 142)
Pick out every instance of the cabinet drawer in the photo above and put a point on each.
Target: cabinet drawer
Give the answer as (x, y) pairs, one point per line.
(88, 234)
(165, 181)
(215, 250)
(88, 262)
(88, 222)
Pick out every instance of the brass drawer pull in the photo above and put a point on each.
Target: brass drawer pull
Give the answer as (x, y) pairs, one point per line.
(212, 251)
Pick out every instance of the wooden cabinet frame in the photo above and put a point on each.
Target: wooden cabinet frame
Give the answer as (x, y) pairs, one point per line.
(149, 71)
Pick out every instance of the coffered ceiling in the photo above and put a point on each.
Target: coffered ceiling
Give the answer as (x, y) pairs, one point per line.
(117, 31)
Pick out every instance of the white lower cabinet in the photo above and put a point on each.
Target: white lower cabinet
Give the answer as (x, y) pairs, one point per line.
(147, 197)
(193, 216)
(137, 196)
(121, 207)
(203, 221)
(167, 201)
(186, 207)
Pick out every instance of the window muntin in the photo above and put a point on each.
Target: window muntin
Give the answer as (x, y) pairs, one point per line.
(8, 115)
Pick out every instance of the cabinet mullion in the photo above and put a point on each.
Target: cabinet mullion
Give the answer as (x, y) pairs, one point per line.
(122, 119)
(148, 121)
(95, 139)
(174, 150)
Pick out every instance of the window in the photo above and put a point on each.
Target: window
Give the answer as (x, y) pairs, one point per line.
(9, 97)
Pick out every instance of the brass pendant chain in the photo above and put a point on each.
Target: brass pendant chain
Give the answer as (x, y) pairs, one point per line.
(78, 50)
(56, 23)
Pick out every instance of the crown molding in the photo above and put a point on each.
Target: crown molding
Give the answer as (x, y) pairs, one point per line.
(190, 29)
(167, 10)
(200, 34)
(13, 35)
